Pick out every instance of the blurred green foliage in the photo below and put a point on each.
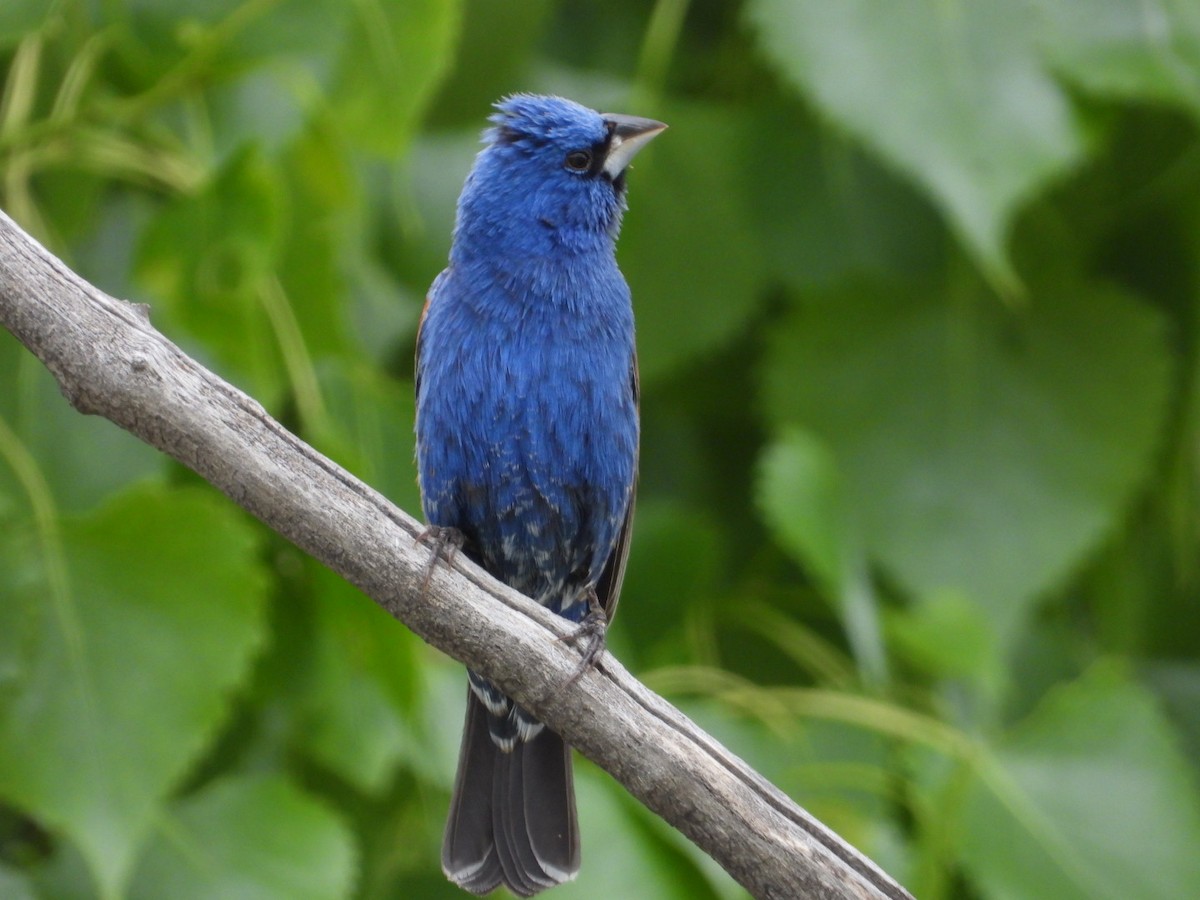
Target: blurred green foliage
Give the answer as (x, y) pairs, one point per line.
(918, 292)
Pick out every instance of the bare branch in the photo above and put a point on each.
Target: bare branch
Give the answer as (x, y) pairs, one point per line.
(109, 361)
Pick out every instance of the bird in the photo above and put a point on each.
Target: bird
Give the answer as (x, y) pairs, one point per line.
(527, 436)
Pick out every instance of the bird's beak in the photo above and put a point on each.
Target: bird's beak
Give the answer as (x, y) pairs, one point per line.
(629, 135)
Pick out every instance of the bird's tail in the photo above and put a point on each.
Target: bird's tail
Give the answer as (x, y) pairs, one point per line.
(512, 816)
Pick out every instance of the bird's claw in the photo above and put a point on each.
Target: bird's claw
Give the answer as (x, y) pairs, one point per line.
(590, 634)
(444, 542)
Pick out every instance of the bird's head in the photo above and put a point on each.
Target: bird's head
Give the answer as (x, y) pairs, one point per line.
(553, 171)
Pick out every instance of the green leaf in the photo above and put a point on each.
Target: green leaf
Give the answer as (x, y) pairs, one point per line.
(947, 636)
(391, 63)
(322, 196)
(18, 17)
(800, 493)
(837, 771)
(498, 40)
(81, 458)
(253, 838)
(984, 452)
(416, 228)
(690, 293)
(623, 862)
(1147, 50)
(309, 32)
(259, 108)
(675, 553)
(1177, 685)
(144, 618)
(210, 260)
(193, 13)
(360, 686)
(361, 680)
(824, 209)
(371, 418)
(1091, 798)
(14, 885)
(952, 94)
(802, 497)
(237, 33)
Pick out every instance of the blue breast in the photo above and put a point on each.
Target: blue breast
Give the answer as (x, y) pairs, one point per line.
(527, 423)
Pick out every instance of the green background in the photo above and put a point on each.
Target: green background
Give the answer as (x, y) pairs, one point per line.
(918, 297)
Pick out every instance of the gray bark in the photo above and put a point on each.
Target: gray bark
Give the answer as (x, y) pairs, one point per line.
(110, 361)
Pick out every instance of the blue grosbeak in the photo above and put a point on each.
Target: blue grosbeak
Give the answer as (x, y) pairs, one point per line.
(527, 442)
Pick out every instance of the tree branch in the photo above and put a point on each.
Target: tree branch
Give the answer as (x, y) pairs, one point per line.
(109, 361)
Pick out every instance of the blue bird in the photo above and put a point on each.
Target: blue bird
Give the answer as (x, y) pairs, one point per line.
(527, 444)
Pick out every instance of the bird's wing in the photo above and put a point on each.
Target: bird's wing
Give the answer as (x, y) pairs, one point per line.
(434, 288)
(417, 348)
(608, 586)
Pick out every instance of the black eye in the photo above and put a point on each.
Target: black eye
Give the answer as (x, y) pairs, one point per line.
(579, 160)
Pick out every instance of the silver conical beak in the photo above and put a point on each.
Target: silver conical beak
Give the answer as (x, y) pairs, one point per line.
(629, 135)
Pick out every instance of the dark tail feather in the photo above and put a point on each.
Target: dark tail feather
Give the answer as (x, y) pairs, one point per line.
(512, 816)
(469, 856)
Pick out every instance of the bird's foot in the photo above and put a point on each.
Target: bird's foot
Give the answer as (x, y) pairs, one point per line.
(589, 635)
(444, 542)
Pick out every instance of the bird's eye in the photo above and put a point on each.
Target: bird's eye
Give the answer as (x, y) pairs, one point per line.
(579, 160)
